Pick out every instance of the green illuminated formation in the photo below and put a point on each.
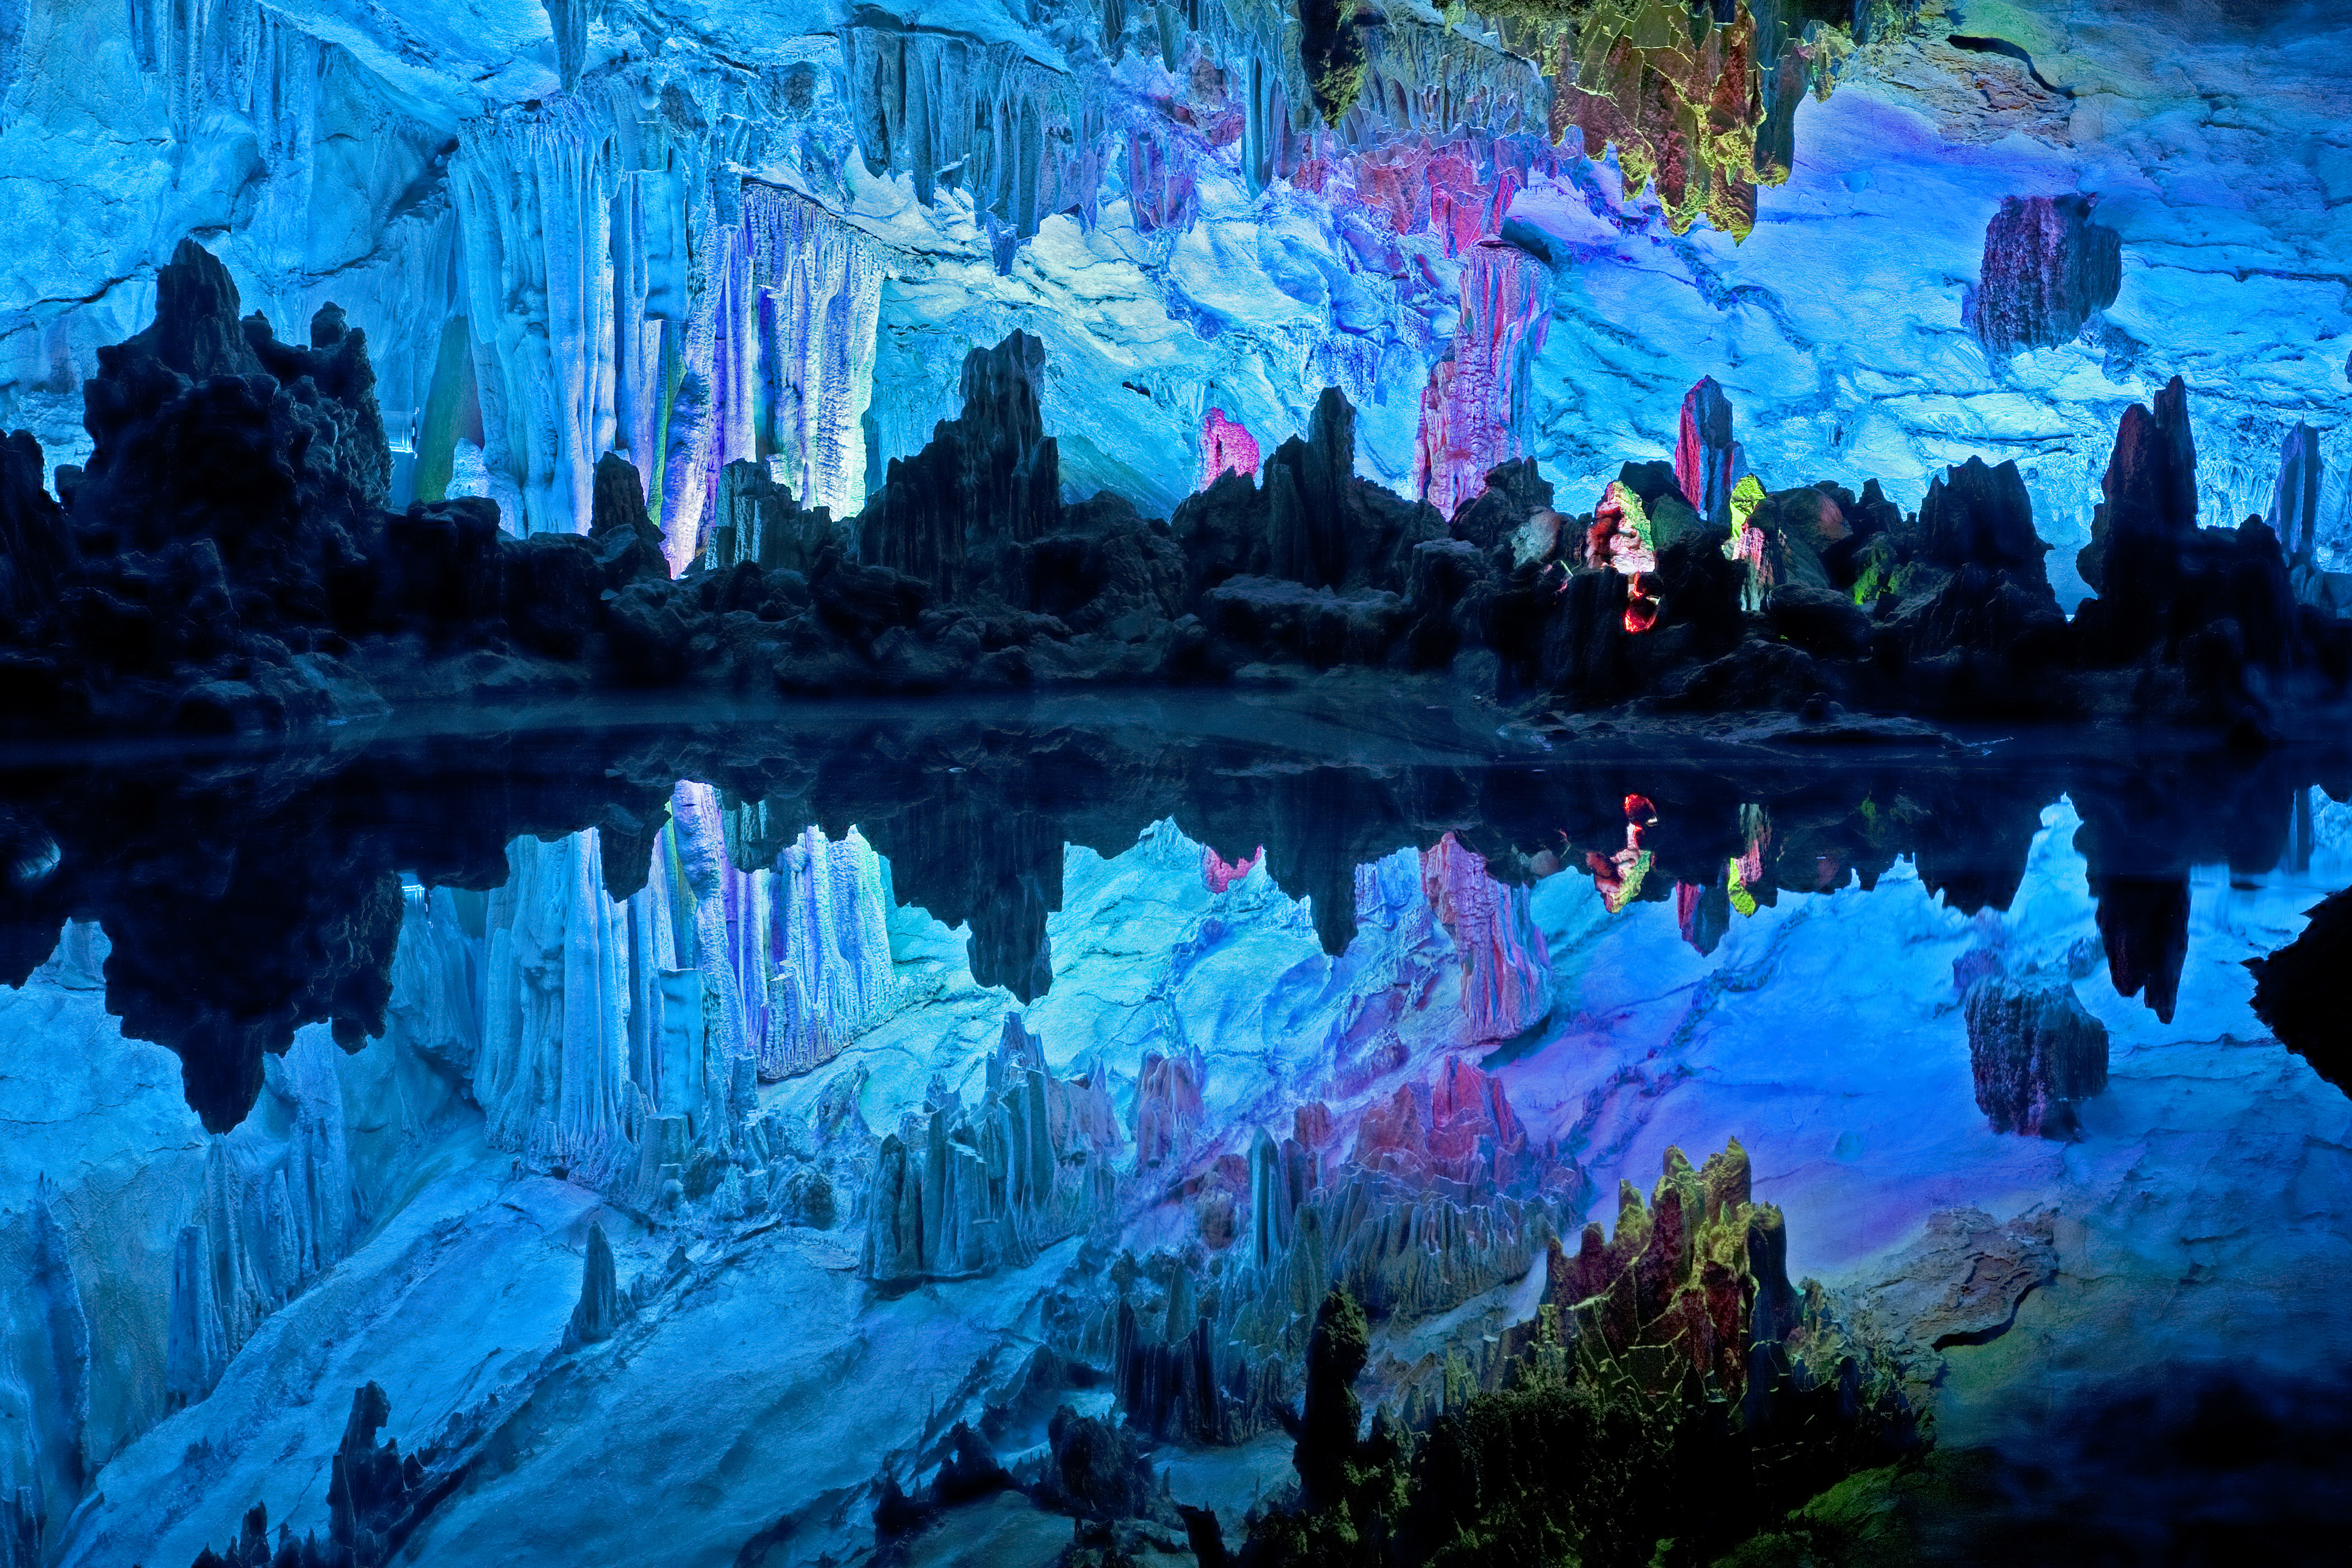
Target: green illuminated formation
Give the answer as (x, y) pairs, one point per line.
(1703, 109)
(1747, 541)
(1674, 1397)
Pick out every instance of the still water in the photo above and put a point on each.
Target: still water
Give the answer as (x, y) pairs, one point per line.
(796, 1137)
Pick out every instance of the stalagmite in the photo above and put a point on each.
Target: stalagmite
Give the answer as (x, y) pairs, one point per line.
(1708, 464)
(970, 1189)
(600, 1307)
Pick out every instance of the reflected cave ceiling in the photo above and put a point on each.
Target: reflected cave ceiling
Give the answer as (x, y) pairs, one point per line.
(564, 226)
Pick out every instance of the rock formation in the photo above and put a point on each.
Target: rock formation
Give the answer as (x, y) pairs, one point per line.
(600, 1310)
(1506, 973)
(1684, 1320)
(1707, 462)
(45, 1390)
(2036, 1052)
(274, 1215)
(2298, 990)
(2048, 268)
(376, 1498)
(967, 569)
(964, 1190)
(2213, 605)
(832, 974)
(1442, 1197)
(1694, 1278)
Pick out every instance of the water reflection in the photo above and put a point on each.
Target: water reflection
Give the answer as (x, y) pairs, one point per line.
(949, 1086)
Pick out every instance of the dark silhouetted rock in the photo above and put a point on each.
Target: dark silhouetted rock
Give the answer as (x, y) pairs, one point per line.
(375, 1500)
(2300, 990)
(758, 519)
(969, 1470)
(1266, 618)
(990, 477)
(36, 551)
(1979, 516)
(1515, 492)
(1820, 620)
(626, 541)
(1330, 1414)
(1312, 521)
(1097, 1470)
(2144, 926)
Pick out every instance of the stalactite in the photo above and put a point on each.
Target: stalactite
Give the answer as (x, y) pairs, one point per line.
(820, 285)
(554, 1055)
(232, 55)
(689, 370)
(1018, 136)
(1473, 405)
(831, 951)
(534, 198)
(569, 19)
(1506, 969)
(44, 1388)
(272, 1215)
(704, 867)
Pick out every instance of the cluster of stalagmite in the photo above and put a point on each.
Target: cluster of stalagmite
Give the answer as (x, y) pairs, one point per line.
(962, 1189)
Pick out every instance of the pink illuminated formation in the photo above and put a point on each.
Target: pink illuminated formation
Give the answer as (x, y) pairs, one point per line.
(1619, 876)
(1621, 538)
(1463, 1130)
(1219, 876)
(1168, 1106)
(1225, 448)
(1505, 965)
(1467, 424)
(1707, 461)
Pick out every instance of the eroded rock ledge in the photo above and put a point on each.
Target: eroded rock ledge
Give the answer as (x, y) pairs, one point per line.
(225, 564)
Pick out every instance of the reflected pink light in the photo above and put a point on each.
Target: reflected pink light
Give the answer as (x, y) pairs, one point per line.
(1226, 448)
(1219, 875)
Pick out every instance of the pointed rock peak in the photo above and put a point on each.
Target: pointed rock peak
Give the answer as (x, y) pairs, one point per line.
(1007, 379)
(1707, 462)
(598, 1312)
(328, 326)
(2151, 480)
(1332, 430)
(2295, 498)
(624, 535)
(196, 330)
(1978, 514)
